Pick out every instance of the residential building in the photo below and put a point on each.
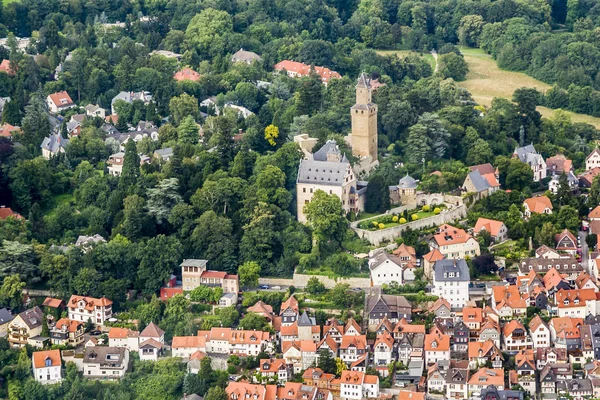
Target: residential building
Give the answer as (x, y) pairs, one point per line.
(357, 386)
(130, 97)
(6, 67)
(551, 355)
(480, 353)
(485, 377)
(275, 368)
(353, 347)
(150, 349)
(152, 331)
(383, 353)
(554, 183)
(587, 178)
(239, 342)
(186, 74)
(451, 281)
(454, 242)
(566, 242)
(507, 301)
(7, 130)
(559, 164)
(537, 205)
(576, 389)
(568, 266)
(528, 155)
(592, 160)
(546, 252)
(498, 231)
(441, 308)
(436, 380)
(478, 184)
(457, 378)
(551, 374)
(295, 69)
(185, 346)
(164, 154)
(300, 355)
(429, 260)
(83, 308)
(540, 333)
(59, 101)
(516, 337)
(123, 337)
(6, 212)
(94, 110)
(577, 303)
(525, 371)
(244, 56)
(244, 390)
(460, 337)
(386, 268)
(492, 393)
(67, 332)
(289, 311)
(107, 363)
(194, 274)
(5, 318)
(47, 366)
(53, 145)
(24, 326)
(394, 308)
(115, 162)
(436, 346)
(330, 171)
(263, 309)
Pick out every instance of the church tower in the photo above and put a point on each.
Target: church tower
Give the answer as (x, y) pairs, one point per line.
(364, 121)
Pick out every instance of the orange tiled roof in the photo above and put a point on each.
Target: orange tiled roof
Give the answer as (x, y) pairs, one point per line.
(40, 357)
(538, 204)
(289, 303)
(448, 235)
(72, 325)
(508, 296)
(595, 213)
(188, 342)
(90, 302)
(488, 376)
(484, 349)
(121, 333)
(535, 323)
(6, 212)
(433, 256)
(510, 327)
(472, 314)
(410, 395)
(437, 341)
(490, 225)
(51, 302)
(552, 278)
(61, 99)
(187, 74)
(568, 234)
(574, 298)
(360, 342)
(304, 70)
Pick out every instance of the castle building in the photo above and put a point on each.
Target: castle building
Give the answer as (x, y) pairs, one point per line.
(364, 121)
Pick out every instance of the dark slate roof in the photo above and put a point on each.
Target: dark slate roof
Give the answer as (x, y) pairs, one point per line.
(478, 181)
(381, 257)
(394, 303)
(407, 183)
(166, 152)
(32, 317)
(305, 320)
(363, 81)
(330, 147)
(5, 316)
(322, 172)
(97, 355)
(523, 152)
(575, 385)
(54, 142)
(492, 392)
(443, 267)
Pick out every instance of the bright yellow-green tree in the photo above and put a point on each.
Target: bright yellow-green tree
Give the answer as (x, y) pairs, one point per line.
(271, 133)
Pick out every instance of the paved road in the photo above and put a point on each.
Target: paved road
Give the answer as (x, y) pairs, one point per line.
(584, 251)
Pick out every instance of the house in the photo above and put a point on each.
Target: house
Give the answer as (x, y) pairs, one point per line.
(24, 326)
(480, 353)
(195, 362)
(454, 242)
(333, 329)
(47, 366)
(123, 337)
(394, 308)
(492, 393)
(546, 252)
(538, 205)
(497, 229)
(554, 183)
(569, 266)
(194, 274)
(164, 154)
(244, 56)
(576, 303)
(585, 281)
(186, 74)
(386, 268)
(457, 378)
(262, 309)
(485, 377)
(436, 380)
(476, 183)
(429, 260)
(239, 110)
(6, 212)
(577, 389)
(410, 341)
(330, 171)
(301, 355)
(552, 355)
(83, 308)
(115, 162)
(295, 69)
(53, 145)
(6, 68)
(587, 178)
(243, 390)
(551, 373)
(590, 340)
(239, 342)
(507, 301)
(383, 353)
(185, 346)
(525, 371)
(437, 346)
(289, 311)
(7, 130)
(441, 308)
(540, 333)
(516, 337)
(558, 165)
(407, 254)
(460, 337)
(531, 157)
(592, 160)
(67, 332)
(567, 242)
(150, 349)
(59, 101)
(316, 377)
(352, 348)
(275, 368)
(404, 192)
(410, 395)
(5, 318)
(106, 363)
(94, 110)
(451, 281)
(130, 97)
(87, 242)
(152, 331)
(358, 385)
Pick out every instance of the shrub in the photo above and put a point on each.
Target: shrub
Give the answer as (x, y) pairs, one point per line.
(395, 218)
(375, 223)
(414, 217)
(381, 226)
(426, 208)
(402, 220)
(437, 211)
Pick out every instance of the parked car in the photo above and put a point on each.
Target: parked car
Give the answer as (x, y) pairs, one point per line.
(264, 287)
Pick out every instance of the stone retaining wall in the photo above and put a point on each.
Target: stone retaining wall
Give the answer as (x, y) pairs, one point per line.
(390, 234)
(301, 280)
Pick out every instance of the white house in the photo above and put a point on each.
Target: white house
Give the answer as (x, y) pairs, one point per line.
(385, 269)
(53, 145)
(123, 337)
(83, 308)
(384, 345)
(357, 385)
(107, 363)
(437, 347)
(451, 281)
(59, 101)
(592, 160)
(540, 333)
(94, 110)
(149, 350)
(454, 242)
(531, 157)
(47, 366)
(185, 346)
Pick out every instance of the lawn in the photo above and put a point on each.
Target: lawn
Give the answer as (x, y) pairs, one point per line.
(5, 2)
(486, 80)
(403, 53)
(385, 219)
(57, 200)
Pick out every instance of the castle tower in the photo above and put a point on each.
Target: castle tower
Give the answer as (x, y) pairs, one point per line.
(364, 121)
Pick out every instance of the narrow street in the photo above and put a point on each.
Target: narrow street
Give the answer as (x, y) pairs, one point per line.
(584, 251)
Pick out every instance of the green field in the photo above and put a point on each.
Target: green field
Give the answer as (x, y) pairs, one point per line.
(5, 2)
(486, 80)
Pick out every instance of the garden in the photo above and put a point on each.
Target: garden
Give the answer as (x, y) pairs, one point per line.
(385, 221)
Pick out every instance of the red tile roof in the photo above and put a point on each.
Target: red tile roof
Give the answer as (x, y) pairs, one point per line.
(40, 357)
(538, 204)
(304, 70)
(61, 99)
(187, 74)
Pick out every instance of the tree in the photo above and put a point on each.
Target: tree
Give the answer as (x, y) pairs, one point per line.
(315, 286)
(484, 264)
(249, 272)
(563, 194)
(135, 221)
(378, 195)
(36, 124)
(271, 134)
(182, 107)
(11, 114)
(253, 321)
(207, 31)
(591, 240)
(340, 366)
(568, 218)
(339, 295)
(453, 66)
(326, 362)
(479, 152)
(188, 131)
(518, 175)
(545, 234)
(470, 29)
(17, 258)
(131, 168)
(228, 315)
(325, 216)
(309, 96)
(163, 198)
(594, 196)
(212, 239)
(86, 282)
(216, 393)
(159, 257)
(11, 291)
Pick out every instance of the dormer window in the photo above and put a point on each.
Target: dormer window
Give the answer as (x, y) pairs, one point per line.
(48, 362)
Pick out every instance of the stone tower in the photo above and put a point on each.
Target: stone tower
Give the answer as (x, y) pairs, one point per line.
(364, 121)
